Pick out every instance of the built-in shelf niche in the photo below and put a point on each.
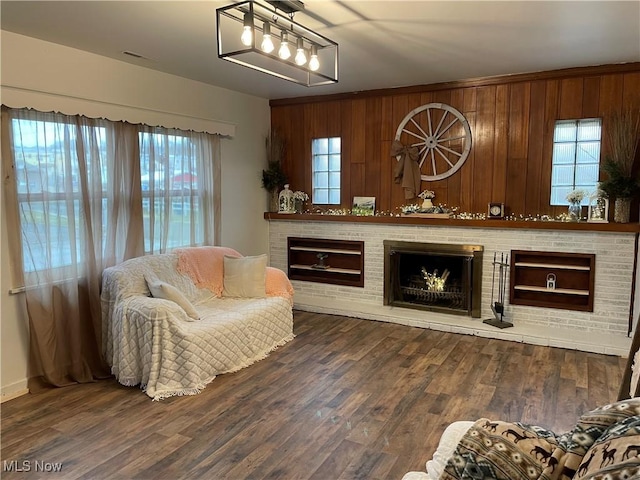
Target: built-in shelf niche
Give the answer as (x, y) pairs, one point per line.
(343, 262)
(552, 279)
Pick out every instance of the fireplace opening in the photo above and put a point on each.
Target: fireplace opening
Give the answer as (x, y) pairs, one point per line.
(433, 276)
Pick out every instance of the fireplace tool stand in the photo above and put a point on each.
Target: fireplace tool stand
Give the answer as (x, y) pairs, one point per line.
(498, 307)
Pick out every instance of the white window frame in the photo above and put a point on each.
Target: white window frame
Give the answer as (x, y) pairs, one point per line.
(559, 191)
(332, 192)
(176, 198)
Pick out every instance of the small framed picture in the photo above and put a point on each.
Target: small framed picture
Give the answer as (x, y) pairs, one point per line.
(363, 206)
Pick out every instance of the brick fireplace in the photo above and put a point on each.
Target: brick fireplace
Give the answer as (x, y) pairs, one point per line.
(604, 330)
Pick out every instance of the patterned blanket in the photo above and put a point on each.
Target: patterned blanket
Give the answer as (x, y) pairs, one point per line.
(604, 444)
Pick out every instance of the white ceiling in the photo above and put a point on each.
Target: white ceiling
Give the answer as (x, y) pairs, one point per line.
(383, 44)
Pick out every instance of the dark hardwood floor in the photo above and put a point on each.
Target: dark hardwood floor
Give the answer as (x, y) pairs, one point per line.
(347, 399)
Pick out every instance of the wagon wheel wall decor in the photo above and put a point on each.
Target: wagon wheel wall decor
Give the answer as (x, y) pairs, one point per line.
(443, 138)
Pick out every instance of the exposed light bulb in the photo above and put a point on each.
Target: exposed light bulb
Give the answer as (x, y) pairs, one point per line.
(246, 36)
(284, 52)
(247, 31)
(301, 57)
(267, 44)
(314, 63)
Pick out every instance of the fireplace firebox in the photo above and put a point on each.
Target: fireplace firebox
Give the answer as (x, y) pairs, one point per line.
(438, 277)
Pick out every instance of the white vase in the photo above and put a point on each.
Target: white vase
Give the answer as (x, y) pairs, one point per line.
(427, 203)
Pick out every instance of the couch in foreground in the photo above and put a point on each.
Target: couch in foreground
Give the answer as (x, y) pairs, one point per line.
(603, 445)
(172, 322)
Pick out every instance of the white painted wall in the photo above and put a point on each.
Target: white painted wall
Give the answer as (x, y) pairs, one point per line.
(28, 63)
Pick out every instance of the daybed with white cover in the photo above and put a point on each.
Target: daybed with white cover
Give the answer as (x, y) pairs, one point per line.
(154, 343)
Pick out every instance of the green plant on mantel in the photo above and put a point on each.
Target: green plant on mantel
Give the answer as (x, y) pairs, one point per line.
(274, 178)
(623, 134)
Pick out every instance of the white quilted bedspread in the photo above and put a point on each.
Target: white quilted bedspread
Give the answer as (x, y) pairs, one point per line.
(153, 343)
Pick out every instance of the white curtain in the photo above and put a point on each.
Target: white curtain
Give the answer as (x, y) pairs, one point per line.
(180, 188)
(83, 194)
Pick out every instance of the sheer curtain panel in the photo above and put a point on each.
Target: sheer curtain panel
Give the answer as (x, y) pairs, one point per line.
(84, 194)
(179, 192)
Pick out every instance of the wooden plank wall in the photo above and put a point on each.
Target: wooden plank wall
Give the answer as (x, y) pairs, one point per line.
(512, 120)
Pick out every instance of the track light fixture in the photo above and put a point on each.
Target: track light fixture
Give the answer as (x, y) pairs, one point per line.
(241, 26)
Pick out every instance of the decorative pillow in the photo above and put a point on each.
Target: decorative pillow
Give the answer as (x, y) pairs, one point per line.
(163, 290)
(205, 265)
(245, 276)
(501, 451)
(615, 454)
(590, 429)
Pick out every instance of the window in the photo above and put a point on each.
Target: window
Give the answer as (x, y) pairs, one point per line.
(325, 158)
(576, 157)
(169, 181)
(48, 187)
(70, 172)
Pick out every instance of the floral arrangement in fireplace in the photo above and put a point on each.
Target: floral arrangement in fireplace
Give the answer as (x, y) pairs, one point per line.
(434, 282)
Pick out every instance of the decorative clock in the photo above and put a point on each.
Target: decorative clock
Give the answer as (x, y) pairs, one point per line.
(496, 210)
(442, 135)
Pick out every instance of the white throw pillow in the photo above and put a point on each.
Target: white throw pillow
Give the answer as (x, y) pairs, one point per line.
(245, 276)
(161, 289)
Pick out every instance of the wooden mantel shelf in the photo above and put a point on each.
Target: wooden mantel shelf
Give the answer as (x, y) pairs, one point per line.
(530, 225)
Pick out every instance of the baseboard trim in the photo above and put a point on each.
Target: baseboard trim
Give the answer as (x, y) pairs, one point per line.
(14, 390)
(585, 341)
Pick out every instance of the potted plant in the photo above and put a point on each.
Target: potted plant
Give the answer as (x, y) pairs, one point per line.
(273, 178)
(623, 133)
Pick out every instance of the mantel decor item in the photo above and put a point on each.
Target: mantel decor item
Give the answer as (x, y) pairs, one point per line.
(262, 35)
(623, 134)
(622, 210)
(495, 211)
(575, 198)
(299, 199)
(427, 196)
(363, 206)
(598, 211)
(286, 202)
